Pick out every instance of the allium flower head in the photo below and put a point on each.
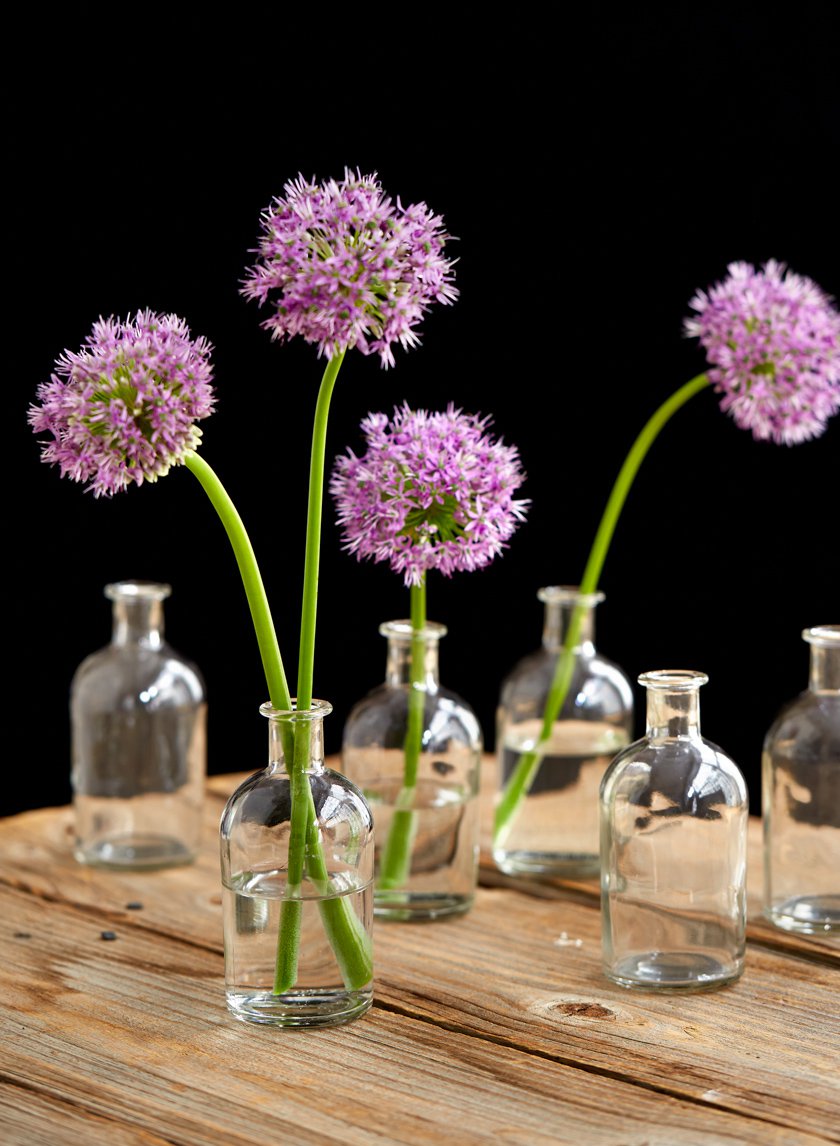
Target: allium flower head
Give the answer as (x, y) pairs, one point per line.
(344, 266)
(432, 491)
(773, 340)
(124, 407)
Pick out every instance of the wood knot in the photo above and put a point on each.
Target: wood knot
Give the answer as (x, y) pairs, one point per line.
(584, 1010)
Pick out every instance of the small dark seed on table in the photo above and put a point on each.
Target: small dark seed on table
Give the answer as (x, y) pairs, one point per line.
(108, 935)
(22, 935)
(134, 906)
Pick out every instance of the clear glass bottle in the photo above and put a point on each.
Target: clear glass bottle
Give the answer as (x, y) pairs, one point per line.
(554, 831)
(801, 798)
(425, 803)
(674, 815)
(138, 730)
(266, 899)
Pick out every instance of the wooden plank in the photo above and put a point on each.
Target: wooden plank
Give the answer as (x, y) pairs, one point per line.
(527, 972)
(184, 902)
(28, 1118)
(134, 1034)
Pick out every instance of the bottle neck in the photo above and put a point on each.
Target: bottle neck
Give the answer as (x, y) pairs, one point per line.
(672, 714)
(137, 622)
(296, 737)
(561, 604)
(412, 660)
(824, 640)
(412, 654)
(673, 703)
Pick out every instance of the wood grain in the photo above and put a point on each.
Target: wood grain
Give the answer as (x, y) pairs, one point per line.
(132, 1033)
(527, 972)
(497, 1026)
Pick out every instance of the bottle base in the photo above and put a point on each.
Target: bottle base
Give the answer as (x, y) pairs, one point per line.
(807, 914)
(135, 853)
(302, 1008)
(681, 971)
(547, 864)
(419, 906)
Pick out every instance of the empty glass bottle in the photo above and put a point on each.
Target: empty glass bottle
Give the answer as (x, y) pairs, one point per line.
(801, 798)
(414, 748)
(674, 815)
(138, 731)
(320, 892)
(554, 830)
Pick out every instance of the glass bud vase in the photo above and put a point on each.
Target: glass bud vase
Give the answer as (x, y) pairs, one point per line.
(138, 731)
(674, 815)
(415, 750)
(297, 875)
(554, 831)
(801, 798)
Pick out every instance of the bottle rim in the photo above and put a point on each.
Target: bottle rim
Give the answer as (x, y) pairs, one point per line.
(402, 631)
(673, 680)
(569, 595)
(317, 710)
(823, 636)
(137, 591)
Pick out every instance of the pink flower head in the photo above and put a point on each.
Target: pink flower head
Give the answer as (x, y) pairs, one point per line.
(124, 408)
(344, 266)
(432, 491)
(773, 340)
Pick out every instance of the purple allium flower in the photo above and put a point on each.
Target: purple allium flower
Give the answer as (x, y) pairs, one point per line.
(124, 408)
(344, 266)
(432, 491)
(773, 340)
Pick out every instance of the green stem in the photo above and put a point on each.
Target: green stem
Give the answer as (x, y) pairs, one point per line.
(522, 777)
(350, 943)
(306, 664)
(395, 867)
(278, 689)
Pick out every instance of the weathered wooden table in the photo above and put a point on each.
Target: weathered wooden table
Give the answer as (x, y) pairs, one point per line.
(494, 1027)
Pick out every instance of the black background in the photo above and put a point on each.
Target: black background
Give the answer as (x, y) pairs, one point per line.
(595, 176)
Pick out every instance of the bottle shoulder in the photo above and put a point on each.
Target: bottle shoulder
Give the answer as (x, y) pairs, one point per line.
(264, 800)
(598, 686)
(807, 729)
(115, 671)
(381, 717)
(689, 770)
(804, 713)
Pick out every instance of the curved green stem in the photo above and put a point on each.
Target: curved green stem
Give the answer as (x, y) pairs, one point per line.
(306, 664)
(395, 867)
(522, 777)
(278, 689)
(349, 941)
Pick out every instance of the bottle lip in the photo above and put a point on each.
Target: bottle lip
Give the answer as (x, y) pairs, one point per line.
(137, 591)
(569, 595)
(673, 680)
(823, 636)
(403, 631)
(316, 711)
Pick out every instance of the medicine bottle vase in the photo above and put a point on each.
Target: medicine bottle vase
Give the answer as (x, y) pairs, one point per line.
(554, 830)
(296, 845)
(138, 732)
(801, 798)
(674, 814)
(414, 748)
